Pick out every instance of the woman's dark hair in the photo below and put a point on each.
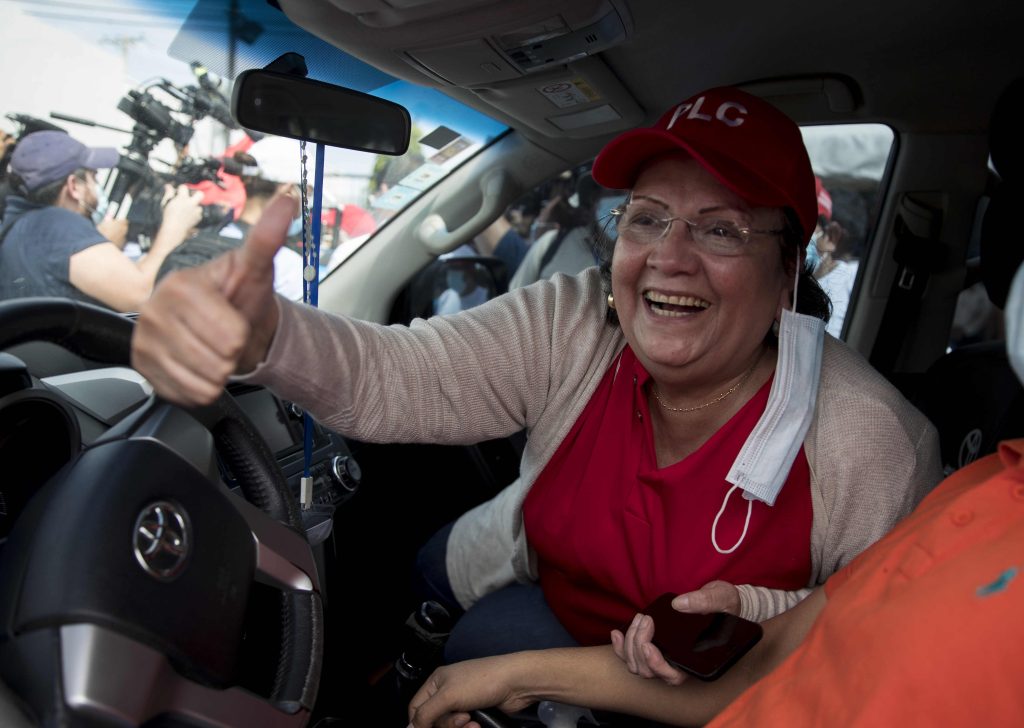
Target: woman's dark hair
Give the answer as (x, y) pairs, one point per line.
(258, 187)
(810, 298)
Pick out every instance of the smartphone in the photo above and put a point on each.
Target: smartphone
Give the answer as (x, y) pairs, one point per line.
(702, 645)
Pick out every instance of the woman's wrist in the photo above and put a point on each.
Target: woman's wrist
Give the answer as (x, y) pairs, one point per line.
(261, 339)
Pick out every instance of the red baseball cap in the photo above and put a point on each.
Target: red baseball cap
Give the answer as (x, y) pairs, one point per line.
(824, 199)
(746, 143)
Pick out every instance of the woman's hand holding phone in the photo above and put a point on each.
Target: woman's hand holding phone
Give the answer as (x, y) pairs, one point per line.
(642, 657)
(698, 634)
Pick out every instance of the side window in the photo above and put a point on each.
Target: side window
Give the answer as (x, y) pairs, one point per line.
(849, 161)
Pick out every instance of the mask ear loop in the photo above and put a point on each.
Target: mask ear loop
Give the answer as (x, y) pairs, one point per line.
(746, 524)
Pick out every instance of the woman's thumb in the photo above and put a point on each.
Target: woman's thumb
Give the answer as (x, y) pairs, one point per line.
(269, 233)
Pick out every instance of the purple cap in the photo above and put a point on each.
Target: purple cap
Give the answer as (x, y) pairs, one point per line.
(43, 157)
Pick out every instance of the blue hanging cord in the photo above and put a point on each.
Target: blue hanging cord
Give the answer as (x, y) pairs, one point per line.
(311, 282)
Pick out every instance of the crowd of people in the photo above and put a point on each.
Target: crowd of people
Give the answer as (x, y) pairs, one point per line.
(59, 237)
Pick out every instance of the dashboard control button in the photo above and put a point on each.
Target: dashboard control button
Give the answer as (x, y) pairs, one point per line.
(346, 472)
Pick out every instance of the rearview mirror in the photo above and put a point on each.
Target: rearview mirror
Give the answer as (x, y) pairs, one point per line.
(287, 105)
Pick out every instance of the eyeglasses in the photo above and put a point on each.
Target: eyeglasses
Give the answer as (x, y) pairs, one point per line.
(715, 235)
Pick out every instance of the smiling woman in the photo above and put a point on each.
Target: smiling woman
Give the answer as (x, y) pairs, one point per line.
(623, 495)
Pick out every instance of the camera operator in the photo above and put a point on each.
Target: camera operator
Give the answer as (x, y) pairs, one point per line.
(54, 240)
(270, 165)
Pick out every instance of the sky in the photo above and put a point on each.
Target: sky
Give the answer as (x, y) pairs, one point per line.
(84, 57)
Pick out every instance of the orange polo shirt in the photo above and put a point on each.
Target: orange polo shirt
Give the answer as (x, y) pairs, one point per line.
(924, 628)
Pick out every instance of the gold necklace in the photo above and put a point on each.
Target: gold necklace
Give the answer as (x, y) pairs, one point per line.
(716, 400)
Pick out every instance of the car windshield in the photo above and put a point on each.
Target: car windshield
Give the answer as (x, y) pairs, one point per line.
(153, 79)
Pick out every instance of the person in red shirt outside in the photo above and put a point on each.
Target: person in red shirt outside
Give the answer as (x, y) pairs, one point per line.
(228, 191)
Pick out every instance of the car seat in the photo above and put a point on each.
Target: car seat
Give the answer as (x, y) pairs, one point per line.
(971, 394)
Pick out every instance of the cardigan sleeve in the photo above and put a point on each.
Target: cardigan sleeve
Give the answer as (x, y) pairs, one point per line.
(873, 457)
(758, 603)
(476, 375)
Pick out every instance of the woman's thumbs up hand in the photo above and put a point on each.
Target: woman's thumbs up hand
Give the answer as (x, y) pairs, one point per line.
(204, 324)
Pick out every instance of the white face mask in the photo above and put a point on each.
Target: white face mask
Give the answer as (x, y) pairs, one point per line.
(1014, 316)
(102, 203)
(764, 461)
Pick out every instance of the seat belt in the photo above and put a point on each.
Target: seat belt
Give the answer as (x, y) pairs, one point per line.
(552, 250)
(917, 258)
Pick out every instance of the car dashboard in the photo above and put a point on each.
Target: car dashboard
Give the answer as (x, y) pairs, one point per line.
(43, 426)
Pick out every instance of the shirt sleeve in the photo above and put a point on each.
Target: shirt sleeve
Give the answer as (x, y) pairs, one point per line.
(511, 250)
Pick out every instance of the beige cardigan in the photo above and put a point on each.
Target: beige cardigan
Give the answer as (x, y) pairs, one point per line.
(533, 358)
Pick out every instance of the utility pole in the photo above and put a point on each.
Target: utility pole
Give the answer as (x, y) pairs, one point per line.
(124, 43)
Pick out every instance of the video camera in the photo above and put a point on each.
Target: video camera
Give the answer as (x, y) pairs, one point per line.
(162, 110)
(154, 122)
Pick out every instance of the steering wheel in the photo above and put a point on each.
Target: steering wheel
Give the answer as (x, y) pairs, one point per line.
(125, 582)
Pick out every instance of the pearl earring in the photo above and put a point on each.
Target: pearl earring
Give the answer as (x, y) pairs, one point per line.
(611, 301)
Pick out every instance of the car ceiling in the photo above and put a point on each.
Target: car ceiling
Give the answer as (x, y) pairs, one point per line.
(925, 65)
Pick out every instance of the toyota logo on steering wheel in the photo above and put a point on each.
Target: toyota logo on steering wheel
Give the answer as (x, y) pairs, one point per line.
(161, 539)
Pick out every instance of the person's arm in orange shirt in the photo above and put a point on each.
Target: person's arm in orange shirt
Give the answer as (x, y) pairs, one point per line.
(595, 677)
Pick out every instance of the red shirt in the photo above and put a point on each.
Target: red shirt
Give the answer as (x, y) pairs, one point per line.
(924, 628)
(612, 531)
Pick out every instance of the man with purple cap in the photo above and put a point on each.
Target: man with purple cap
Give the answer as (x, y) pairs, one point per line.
(54, 240)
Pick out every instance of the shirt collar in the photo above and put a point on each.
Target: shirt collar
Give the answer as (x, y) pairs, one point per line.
(1011, 453)
(631, 366)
